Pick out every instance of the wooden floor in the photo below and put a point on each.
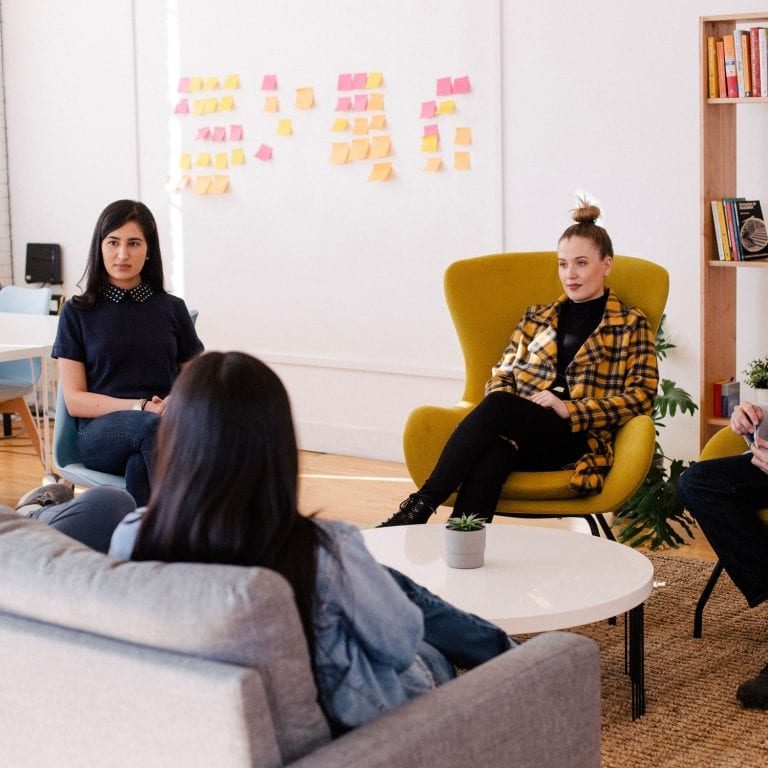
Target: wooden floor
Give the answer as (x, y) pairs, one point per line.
(361, 491)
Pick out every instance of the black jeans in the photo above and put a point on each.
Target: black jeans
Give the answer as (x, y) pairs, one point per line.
(723, 495)
(503, 433)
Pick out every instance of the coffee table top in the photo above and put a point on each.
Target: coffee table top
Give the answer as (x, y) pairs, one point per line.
(535, 579)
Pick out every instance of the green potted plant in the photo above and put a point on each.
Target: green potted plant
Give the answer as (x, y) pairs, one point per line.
(465, 542)
(756, 376)
(646, 519)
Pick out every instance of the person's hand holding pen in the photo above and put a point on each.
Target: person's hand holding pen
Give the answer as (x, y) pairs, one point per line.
(745, 420)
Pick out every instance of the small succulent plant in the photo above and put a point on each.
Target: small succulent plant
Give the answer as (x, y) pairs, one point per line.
(465, 523)
(756, 374)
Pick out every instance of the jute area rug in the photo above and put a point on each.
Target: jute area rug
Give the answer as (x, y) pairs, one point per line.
(692, 716)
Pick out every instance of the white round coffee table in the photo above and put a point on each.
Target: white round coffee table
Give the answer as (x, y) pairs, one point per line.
(534, 579)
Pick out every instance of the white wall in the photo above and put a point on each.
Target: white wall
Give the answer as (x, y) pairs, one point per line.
(599, 96)
(6, 263)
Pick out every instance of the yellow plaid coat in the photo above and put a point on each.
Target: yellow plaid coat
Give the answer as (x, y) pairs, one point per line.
(613, 377)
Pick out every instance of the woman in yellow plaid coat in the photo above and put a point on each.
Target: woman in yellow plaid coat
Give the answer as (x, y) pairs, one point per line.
(573, 372)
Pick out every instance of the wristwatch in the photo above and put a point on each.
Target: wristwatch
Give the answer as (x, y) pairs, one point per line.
(140, 405)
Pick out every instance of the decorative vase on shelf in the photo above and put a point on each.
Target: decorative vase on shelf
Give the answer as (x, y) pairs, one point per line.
(465, 542)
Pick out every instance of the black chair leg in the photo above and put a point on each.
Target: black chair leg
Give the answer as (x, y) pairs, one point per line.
(606, 528)
(7, 428)
(710, 585)
(592, 525)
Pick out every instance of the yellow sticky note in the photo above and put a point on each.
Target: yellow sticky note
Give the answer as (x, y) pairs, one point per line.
(221, 160)
(340, 153)
(463, 136)
(461, 161)
(238, 157)
(374, 80)
(211, 83)
(359, 149)
(305, 98)
(284, 128)
(185, 161)
(232, 81)
(340, 124)
(271, 104)
(378, 122)
(376, 102)
(446, 107)
(204, 158)
(380, 171)
(360, 126)
(430, 143)
(433, 164)
(198, 105)
(201, 185)
(380, 146)
(211, 105)
(219, 185)
(227, 103)
(195, 83)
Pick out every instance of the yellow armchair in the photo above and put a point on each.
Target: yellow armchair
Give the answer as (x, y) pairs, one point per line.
(486, 297)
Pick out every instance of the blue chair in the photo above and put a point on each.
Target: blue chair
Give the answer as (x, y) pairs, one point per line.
(18, 378)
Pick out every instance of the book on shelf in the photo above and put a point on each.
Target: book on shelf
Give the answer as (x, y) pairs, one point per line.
(739, 56)
(721, 238)
(751, 231)
(712, 67)
(720, 56)
(730, 225)
(731, 79)
(762, 39)
(725, 397)
(738, 64)
(754, 61)
(746, 64)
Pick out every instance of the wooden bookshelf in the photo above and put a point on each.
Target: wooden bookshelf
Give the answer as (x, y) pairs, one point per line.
(719, 150)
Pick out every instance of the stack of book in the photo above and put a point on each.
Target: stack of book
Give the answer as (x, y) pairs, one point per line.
(738, 64)
(740, 231)
(725, 397)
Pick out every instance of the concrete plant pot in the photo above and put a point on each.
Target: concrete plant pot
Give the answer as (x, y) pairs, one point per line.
(465, 549)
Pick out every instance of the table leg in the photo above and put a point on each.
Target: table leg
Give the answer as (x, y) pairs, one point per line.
(46, 423)
(636, 623)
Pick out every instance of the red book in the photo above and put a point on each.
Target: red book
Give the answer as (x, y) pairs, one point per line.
(717, 399)
(754, 59)
(722, 91)
(731, 80)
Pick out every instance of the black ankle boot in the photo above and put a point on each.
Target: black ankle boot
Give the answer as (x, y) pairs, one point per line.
(413, 511)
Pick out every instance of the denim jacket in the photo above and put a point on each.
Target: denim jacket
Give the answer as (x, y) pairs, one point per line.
(367, 632)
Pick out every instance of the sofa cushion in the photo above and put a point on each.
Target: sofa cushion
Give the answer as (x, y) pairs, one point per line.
(243, 616)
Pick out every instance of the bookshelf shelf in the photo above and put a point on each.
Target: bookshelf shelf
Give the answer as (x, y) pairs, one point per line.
(719, 152)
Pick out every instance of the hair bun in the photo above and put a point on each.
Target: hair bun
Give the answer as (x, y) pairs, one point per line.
(585, 213)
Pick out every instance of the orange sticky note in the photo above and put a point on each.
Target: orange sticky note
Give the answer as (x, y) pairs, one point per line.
(204, 158)
(376, 102)
(305, 98)
(360, 126)
(195, 83)
(380, 146)
(227, 103)
(219, 185)
(374, 80)
(430, 143)
(378, 122)
(238, 157)
(211, 105)
(340, 124)
(380, 171)
(232, 81)
(221, 160)
(340, 153)
(271, 104)
(201, 185)
(284, 128)
(463, 136)
(433, 164)
(359, 149)
(211, 83)
(198, 105)
(461, 161)
(446, 107)
(185, 161)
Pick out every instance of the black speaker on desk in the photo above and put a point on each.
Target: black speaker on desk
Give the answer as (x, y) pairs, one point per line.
(43, 263)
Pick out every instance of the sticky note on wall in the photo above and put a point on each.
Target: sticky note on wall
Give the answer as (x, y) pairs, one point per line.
(202, 184)
(463, 136)
(305, 98)
(461, 161)
(271, 104)
(238, 156)
(380, 146)
(264, 153)
(269, 83)
(284, 128)
(374, 80)
(339, 153)
(359, 149)
(380, 172)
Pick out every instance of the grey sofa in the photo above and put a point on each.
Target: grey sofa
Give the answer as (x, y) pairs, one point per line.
(108, 663)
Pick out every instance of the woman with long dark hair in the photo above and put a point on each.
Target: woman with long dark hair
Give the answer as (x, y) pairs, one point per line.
(121, 344)
(225, 491)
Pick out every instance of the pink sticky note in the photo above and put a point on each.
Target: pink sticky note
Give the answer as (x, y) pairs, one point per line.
(203, 133)
(183, 85)
(361, 102)
(345, 83)
(431, 130)
(428, 108)
(269, 83)
(235, 132)
(219, 133)
(359, 79)
(461, 85)
(182, 108)
(344, 104)
(444, 87)
(264, 153)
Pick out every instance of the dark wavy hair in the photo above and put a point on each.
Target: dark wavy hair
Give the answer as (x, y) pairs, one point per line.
(226, 477)
(114, 216)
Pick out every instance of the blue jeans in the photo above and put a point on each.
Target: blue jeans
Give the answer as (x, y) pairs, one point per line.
(463, 639)
(723, 495)
(120, 443)
(91, 517)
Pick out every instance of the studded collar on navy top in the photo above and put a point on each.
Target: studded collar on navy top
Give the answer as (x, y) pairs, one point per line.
(139, 293)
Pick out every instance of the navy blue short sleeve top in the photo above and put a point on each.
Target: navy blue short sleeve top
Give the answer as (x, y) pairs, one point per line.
(130, 348)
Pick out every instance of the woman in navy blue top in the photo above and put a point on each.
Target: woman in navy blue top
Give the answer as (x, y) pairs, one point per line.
(120, 345)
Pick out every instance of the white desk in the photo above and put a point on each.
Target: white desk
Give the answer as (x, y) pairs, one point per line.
(24, 337)
(535, 579)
